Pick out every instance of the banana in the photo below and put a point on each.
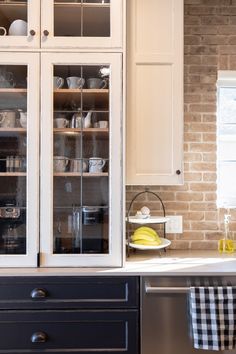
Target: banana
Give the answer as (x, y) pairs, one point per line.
(146, 229)
(143, 236)
(148, 243)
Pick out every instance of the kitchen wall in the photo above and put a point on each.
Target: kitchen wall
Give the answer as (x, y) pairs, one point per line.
(210, 45)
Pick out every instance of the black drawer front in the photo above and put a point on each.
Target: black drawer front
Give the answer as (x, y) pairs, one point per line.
(68, 292)
(69, 331)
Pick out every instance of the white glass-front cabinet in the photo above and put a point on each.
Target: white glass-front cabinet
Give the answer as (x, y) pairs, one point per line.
(61, 23)
(19, 24)
(19, 152)
(81, 159)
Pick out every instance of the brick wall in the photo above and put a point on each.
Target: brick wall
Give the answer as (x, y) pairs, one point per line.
(210, 45)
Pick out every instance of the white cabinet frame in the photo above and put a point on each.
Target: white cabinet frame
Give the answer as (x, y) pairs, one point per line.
(114, 41)
(32, 202)
(114, 257)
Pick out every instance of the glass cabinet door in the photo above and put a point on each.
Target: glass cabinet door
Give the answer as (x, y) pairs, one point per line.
(19, 23)
(81, 160)
(18, 159)
(84, 23)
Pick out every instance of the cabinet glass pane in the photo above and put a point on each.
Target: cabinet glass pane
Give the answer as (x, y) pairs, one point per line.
(82, 18)
(13, 158)
(13, 17)
(81, 159)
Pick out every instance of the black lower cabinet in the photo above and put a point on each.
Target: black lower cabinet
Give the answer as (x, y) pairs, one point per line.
(79, 330)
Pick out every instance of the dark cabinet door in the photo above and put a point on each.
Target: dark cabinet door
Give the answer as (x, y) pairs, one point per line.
(111, 331)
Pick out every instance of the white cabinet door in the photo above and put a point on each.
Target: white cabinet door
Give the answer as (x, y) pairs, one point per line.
(20, 24)
(19, 151)
(84, 24)
(81, 160)
(155, 92)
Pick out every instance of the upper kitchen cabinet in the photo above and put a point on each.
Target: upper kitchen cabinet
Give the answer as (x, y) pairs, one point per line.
(81, 159)
(85, 24)
(19, 24)
(155, 92)
(19, 151)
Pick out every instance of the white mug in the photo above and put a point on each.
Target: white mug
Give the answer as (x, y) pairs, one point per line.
(75, 82)
(96, 83)
(3, 30)
(96, 164)
(58, 82)
(61, 122)
(60, 163)
(103, 124)
(18, 28)
(78, 165)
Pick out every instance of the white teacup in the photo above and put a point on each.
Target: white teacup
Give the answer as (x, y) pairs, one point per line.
(75, 82)
(60, 122)
(96, 83)
(18, 28)
(60, 163)
(58, 82)
(3, 31)
(78, 165)
(103, 124)
(96, 164)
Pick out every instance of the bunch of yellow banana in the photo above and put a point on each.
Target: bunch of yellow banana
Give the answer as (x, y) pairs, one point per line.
(145, 235)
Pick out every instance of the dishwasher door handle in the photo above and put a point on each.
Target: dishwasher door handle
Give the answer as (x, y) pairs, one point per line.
(165, 289)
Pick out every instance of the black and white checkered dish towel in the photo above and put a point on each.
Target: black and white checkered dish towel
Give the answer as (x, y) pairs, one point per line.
(213, 317)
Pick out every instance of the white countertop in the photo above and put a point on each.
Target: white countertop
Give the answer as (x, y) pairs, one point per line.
(175, 263)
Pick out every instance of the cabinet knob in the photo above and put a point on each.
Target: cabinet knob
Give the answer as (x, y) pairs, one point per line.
(46, 33)
(178, 172)
(32, 32)
(39, 337)
(38, 293)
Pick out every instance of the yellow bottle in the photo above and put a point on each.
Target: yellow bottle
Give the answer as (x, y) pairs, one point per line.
(226, 245)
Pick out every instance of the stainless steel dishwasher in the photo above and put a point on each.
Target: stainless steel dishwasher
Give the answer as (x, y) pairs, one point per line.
(164, 313)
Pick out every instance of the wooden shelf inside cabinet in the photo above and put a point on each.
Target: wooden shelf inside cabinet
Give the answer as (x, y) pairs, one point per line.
(13, 130)
(78, 130)
(79, 4)
(14, 93)
(13, 90)
(13, 174)
(98, 97)
(78, 174)
(13, 3)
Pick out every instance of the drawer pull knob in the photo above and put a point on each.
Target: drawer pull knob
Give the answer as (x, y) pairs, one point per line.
(45, 33)
(39, 337)
(32, 32)
(38, 294)
(178, 172)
